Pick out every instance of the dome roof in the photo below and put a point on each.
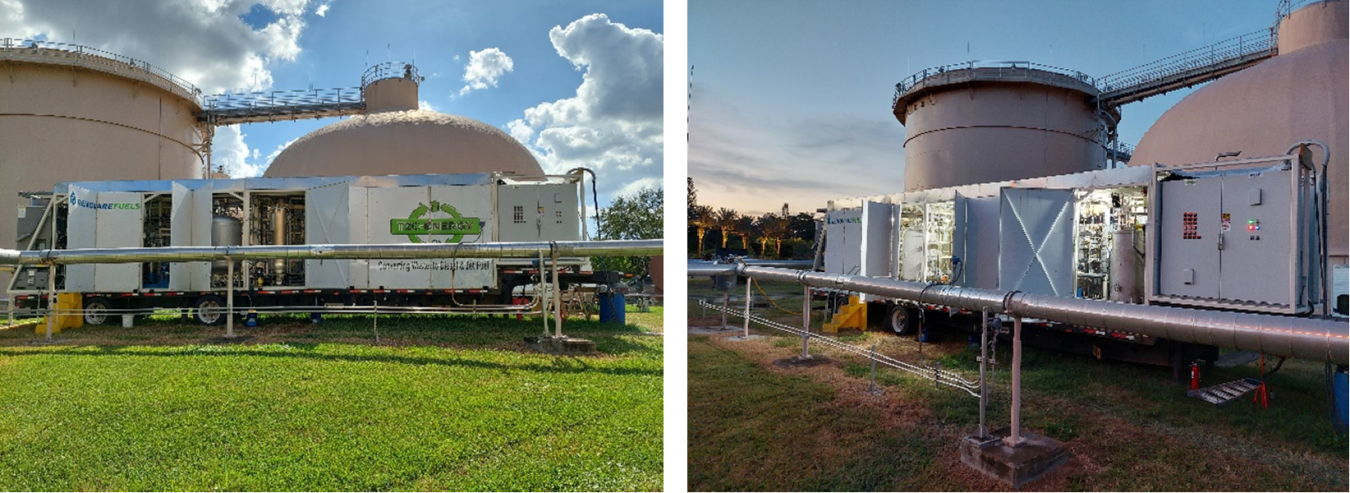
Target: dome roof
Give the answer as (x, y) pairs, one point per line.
(1300, 94)
(404, 143)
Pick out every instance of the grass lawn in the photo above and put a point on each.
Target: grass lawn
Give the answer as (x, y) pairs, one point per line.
(440, 403)
(754, 425)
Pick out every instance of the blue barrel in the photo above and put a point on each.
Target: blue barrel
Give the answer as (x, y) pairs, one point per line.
(1342, 399)
(612, 308)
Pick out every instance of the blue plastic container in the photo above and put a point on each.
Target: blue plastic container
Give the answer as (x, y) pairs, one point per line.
(612, 308)
(1342, 399)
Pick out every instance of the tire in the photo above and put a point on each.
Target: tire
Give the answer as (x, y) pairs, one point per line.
(209, 310)
(96, 311)
(902, 320)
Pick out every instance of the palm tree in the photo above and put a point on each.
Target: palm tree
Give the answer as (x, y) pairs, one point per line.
(773, 226)
(745, 226)
(701, 217)
(726, 221)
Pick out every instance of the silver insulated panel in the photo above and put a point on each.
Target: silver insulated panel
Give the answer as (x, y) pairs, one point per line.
(1036, 241)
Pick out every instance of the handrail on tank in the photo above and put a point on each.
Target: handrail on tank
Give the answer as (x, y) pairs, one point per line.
(11, 44)
(1024, 67)
(390, 70)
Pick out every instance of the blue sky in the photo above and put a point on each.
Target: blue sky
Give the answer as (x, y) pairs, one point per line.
(244, 45)
(791, 99)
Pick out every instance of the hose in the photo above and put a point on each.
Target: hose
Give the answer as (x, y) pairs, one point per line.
(595, 196)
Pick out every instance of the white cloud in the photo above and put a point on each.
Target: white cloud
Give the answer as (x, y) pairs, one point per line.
(203, 41)
(424, 105)
(484, 68)
(614, 123)
(230, 152)
(322, 10)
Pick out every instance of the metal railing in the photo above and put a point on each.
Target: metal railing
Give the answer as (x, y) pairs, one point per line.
(937, 375)
(996, 70)
(1191, 67)
(390, 70)
(231, 108)
(94, 58)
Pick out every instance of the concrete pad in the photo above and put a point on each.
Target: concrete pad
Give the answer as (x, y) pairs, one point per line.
(561, 346)
(1016, 466)
(799, 362)
(751, 337)
(694, 330)
(229, 340)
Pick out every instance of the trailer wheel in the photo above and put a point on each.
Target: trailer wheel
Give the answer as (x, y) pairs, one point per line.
(902, 320)
(96, 311)
(209, 310)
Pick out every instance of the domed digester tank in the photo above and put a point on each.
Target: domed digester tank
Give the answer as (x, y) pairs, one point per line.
(1299, 94)
(394, 137)
(74, 113)
(979, 123)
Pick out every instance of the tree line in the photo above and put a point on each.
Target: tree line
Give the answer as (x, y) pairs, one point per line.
(789, 235)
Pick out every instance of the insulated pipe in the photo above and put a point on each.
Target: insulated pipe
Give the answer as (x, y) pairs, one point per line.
(1310, 338)
(615, 248)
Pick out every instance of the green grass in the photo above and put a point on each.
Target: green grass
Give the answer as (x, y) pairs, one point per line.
(750, 429)
(1129, 425)
(442, 403)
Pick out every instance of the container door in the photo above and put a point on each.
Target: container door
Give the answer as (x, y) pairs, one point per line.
(843, 235)
(1189, 224)
(326, 223)
(1036, 241)
(82, 219)
(1255, 264)
(190, 225)
(119, 225)
(520, 212)
(877, 230)
(876, 249)
(561, 219)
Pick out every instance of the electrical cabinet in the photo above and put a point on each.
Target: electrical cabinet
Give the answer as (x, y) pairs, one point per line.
(1232, 236)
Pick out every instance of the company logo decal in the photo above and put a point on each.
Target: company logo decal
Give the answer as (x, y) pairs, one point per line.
(452, 229)
(125, 206)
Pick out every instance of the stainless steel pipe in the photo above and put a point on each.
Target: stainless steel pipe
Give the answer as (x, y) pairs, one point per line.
(1310, 338)
(333, 252)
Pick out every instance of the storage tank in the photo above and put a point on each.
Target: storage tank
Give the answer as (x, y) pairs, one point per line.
(225, 231)
(74, 113)
(394, 137)
(1298, 94)
(978, 123)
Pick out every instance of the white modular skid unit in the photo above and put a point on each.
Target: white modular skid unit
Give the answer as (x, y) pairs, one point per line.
(1047, 235)
(457, 209)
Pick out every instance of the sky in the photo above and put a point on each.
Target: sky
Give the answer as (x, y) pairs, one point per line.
(579, 82)
(791, 99)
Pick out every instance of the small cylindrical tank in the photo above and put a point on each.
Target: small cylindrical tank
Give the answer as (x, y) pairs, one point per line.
(1127, 268)
(225, 231)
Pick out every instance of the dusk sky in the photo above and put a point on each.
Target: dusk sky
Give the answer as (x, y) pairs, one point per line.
(791, 99)
(579, 82)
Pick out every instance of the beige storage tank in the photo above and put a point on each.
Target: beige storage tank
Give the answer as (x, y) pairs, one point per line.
(394, 137)
(979, 123)
(1299, 94)
(71, 112)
